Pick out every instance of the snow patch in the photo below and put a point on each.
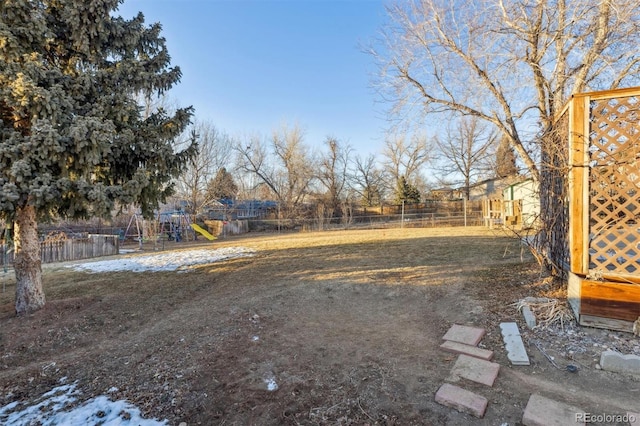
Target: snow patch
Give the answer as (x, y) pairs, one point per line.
(58, 407)
(170, 261)
(271, 383)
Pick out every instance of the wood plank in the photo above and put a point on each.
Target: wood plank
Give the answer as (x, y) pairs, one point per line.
(610, 300)
(578, 160)
(609, 324)
(612, 93)
(585, 185)
(620, 278)
(573, 293)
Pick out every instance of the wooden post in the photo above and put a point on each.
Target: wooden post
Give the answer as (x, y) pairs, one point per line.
(579, 184)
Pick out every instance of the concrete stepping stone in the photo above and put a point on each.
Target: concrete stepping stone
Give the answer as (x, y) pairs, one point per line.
(620, 363)
(474, 369)
(461, 400)
(541, 411)
(464, 334)
(529, 317)
(516, 351)
(461, 348)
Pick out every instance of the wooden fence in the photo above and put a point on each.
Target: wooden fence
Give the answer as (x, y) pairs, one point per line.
(437, 207)
(603, 193)
(502, 212)
(94, 245)
(223, 228)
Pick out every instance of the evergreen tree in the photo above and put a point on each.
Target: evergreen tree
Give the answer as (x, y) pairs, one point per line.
(222, 186)
(505, 160)
(371, 196)
(406, 192)
(73, 142)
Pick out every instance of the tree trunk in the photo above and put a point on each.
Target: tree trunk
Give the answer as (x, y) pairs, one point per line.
(27, 264)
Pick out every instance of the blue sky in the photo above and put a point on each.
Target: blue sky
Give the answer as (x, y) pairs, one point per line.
(250, 66)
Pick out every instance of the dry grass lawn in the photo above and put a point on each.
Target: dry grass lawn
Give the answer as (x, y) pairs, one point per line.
(347, 324)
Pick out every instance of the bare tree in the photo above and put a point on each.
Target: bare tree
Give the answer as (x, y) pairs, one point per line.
(214, 153)
(287, 169)
(512, 64)
(368, 180)
(255, 165)
(153, 102)
(465, 150)
(333, 173)
(404, 159)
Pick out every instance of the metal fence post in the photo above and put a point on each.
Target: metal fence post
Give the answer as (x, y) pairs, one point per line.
(464, 206)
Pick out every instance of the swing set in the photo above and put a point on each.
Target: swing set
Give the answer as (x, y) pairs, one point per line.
(166, 226)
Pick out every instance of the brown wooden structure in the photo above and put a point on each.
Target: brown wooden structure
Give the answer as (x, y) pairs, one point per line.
(603, 207)
(67, 249)
(497, 211)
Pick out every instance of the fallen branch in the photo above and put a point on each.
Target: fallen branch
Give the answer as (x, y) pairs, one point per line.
(364, 412)
(547, 356)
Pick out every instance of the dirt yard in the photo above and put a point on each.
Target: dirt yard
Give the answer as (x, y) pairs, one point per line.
(335, 328)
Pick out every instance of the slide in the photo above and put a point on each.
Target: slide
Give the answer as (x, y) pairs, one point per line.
(202, 232)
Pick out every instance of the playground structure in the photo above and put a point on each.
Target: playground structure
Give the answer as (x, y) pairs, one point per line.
(166, 226)
(175, 226)
(202, 232)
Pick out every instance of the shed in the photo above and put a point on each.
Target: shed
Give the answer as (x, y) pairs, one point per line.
(490, 188)
(526, 194)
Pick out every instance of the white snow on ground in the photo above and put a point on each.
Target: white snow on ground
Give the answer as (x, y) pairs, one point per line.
(166, 261)
(271, 384)
(59, 407)
(270, 381)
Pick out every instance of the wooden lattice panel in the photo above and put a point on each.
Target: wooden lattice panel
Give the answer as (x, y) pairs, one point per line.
(559, 158)
(614, 186)
(554, 209)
